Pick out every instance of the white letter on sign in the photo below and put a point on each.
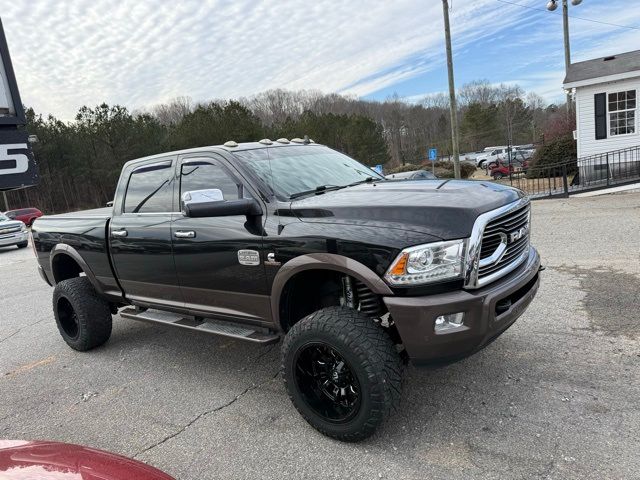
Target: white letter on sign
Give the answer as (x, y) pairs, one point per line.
(22, 161)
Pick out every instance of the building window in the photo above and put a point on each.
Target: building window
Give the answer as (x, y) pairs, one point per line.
(622, 113)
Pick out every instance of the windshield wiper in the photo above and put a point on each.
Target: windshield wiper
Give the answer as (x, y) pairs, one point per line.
(366, 180)
(317, 190)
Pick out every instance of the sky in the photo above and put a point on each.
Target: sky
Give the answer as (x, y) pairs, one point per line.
(70, 53)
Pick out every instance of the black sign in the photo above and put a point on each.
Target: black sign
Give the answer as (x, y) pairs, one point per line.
(17, 164)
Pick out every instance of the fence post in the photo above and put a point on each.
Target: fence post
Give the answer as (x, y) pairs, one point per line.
(565, 181)
(608, 182)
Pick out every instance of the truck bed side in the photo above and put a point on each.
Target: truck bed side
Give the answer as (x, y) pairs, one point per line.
(78, 238)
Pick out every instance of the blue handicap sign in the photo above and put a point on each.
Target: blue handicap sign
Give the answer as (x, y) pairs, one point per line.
(433, 154)
(378, 169)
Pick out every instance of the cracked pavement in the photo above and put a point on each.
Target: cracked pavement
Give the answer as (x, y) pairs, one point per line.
(556, 397)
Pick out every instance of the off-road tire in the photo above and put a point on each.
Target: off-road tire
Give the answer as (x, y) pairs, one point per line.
(371, 356)
(22, 244)
(92, 313)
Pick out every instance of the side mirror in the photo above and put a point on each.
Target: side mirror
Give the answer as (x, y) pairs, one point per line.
(211, 203)
(109, 203)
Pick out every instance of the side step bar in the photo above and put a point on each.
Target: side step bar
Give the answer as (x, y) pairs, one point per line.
(205, 325)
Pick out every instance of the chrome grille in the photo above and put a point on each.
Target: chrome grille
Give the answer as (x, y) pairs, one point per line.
(512, 230)
(499, 243)
(6, 231)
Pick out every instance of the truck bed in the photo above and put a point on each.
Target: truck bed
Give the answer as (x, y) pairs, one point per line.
(86, 232)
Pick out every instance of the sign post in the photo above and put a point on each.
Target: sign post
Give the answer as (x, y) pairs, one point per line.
(433, 156)
(17, 164)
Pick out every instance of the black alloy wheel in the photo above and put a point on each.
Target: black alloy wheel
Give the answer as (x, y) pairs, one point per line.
(326, 382)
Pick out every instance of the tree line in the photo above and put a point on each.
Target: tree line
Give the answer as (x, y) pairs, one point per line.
(80, 160)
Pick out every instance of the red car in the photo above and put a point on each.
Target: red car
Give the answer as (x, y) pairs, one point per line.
(500, 171)
(25, 215)
(22, 460)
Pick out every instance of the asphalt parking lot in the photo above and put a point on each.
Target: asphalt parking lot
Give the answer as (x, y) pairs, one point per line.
(557, 396)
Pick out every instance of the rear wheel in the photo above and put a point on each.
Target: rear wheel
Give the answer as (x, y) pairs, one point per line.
(82, 317)
(22, 244)
(342, 372)
(497, 176)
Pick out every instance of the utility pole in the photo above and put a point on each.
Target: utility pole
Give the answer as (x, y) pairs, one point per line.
(452, 92)
(567, 48)
(551, 6)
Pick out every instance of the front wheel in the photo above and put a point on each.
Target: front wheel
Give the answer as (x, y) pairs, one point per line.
(22, 245)
(342, 372)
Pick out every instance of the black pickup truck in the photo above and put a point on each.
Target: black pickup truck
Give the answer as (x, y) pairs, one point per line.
(292, 240)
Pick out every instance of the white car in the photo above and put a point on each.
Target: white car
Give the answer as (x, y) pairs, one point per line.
(13, 232)
(492, 156)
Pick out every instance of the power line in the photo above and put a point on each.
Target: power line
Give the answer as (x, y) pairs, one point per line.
(570, 16)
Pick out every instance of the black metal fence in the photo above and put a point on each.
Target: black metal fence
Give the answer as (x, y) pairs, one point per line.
(614, 168)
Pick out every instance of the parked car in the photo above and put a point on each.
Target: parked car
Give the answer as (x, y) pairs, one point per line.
(492, 155)
(413, 175)
(292, 240)
(26, 215)
(43, 460)
(517, 157)
(504, 170)
(13, 232)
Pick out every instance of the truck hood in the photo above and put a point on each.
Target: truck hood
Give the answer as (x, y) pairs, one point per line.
(445, 209)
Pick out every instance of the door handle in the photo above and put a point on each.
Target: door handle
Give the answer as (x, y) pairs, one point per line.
(119, 233)
(183, 234)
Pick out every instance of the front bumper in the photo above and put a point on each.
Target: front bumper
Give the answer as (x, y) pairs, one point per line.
(13, 238)
(415, 317)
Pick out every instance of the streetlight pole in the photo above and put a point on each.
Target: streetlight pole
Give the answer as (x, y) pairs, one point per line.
(551, 6)
(453, 109)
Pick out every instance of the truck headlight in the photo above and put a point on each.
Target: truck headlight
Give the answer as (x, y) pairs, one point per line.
(432, 262)
(23, 227)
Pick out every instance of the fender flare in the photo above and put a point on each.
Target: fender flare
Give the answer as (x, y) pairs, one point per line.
(64, 249)
(323, 261)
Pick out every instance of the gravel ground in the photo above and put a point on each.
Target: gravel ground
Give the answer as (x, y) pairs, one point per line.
(555, 397)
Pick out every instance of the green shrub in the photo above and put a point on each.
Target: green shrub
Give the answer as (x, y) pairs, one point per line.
(557, 152)
(409, 167)
(444, 169)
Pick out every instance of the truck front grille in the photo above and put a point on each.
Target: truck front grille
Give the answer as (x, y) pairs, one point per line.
(508, 236)
(499, 243)
(6, 231)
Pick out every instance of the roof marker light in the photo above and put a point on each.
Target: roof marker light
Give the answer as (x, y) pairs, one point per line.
(230, 144)
(266, 141)
(297, 140)
(282, 140)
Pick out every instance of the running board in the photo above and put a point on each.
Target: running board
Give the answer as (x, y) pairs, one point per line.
(205, 325)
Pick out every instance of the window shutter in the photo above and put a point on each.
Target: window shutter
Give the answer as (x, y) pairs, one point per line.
(601, 115)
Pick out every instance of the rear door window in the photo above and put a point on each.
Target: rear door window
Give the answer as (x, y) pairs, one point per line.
(150, 189)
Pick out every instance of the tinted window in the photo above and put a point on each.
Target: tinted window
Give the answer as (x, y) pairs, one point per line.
(150, 190)
(205, 175)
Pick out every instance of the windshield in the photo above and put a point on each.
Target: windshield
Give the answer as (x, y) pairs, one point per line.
(297, 169)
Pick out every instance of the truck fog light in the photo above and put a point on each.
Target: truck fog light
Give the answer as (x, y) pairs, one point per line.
(451, 321)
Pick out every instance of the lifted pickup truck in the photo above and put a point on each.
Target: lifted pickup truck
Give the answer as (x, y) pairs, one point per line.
(292, 240)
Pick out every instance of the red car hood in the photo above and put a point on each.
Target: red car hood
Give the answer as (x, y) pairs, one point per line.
(22, 460)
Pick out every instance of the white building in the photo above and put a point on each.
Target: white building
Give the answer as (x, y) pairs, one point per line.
(608, 134)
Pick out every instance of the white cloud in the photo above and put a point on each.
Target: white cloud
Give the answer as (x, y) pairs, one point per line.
(139, 53)
(67, 54)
